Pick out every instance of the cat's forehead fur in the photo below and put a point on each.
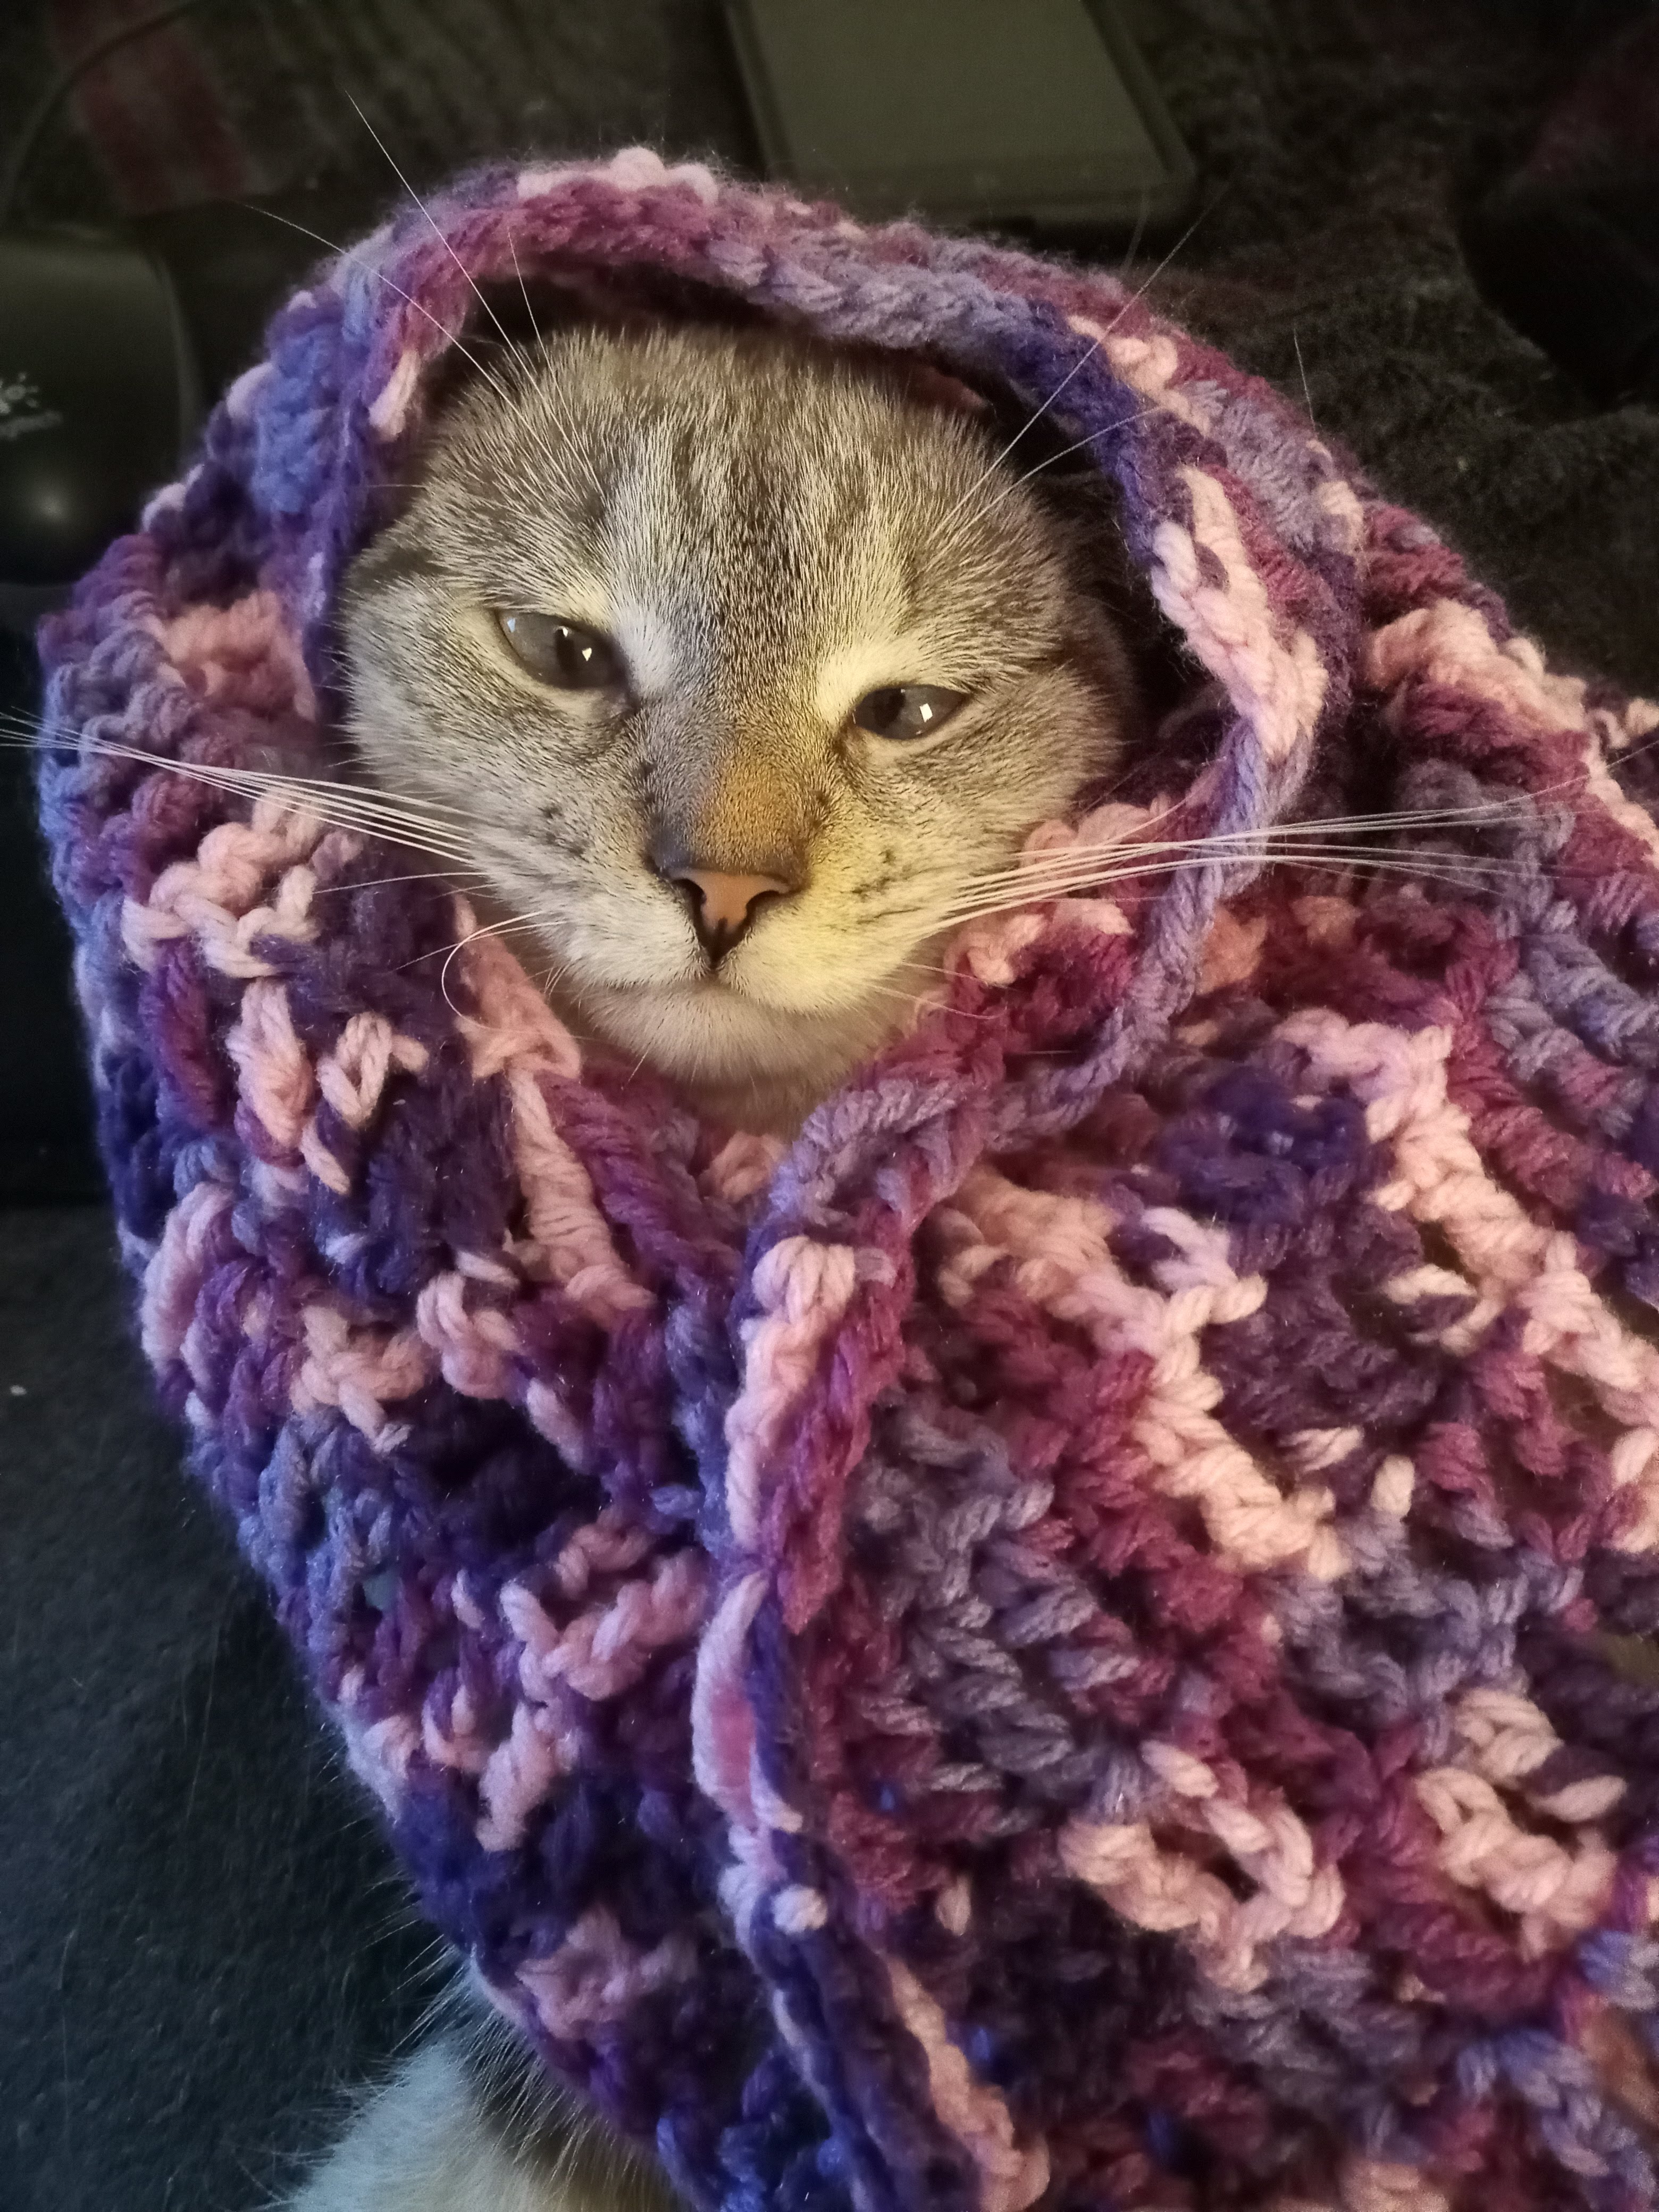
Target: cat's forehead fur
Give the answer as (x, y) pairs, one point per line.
(734, 507)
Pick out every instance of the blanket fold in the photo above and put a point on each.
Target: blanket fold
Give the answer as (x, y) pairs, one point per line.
(1069, 1637)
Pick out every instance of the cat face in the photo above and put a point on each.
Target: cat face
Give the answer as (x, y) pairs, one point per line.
(742, 665)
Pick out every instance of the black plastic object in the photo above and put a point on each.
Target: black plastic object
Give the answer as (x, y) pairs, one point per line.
(1036, 114)
(98, 402)
(46, 1153)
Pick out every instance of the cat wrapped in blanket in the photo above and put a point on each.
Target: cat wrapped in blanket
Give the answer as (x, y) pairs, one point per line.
(1008, 1602)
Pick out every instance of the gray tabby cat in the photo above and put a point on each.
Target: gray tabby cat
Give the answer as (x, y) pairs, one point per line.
(744, 665)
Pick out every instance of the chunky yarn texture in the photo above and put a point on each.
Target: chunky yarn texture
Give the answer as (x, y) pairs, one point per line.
(1066, 1639)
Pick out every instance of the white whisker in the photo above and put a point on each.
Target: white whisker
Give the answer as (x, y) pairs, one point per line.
(433, 811)
(452, 952)
(1073, 870)
(1135, 237)
(1083, 359)
(448, 876)
(911, 998)
(341, 805)
(984, 514)
(555, 397)
(1120, 858)
(1245, 843)
(437, 230)
(1029, 423)
(449, 336)
(1340, 861)
(1307, 396)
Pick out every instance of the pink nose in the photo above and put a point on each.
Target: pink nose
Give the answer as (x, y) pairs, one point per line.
(723, 907)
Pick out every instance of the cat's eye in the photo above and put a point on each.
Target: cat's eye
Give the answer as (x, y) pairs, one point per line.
(906, 710)
(561, 654)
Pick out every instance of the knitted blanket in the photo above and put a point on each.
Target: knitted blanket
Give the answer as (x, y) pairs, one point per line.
(1064, 1638)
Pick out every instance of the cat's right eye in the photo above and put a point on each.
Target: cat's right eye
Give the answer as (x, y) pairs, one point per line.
(562, 655)
(903, 711)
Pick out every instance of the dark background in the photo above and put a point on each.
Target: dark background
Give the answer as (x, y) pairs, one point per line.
(200, 1939)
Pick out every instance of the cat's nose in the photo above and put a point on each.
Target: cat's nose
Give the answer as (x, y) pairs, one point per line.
(723, 907)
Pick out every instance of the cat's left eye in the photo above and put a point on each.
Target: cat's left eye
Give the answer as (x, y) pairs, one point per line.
(903, 711)
(562, 654)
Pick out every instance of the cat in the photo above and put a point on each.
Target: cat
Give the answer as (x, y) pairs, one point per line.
(742, 664)
(472, 2124)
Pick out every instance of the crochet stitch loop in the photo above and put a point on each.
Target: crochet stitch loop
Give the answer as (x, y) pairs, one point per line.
(1057, 1641)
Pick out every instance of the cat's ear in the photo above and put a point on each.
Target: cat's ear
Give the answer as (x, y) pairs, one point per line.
(510, 321)
(1087, 505)
(937, 387)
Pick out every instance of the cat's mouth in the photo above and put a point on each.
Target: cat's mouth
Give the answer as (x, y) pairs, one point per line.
(715, 983)
(684, 991)
(719, 981)
(712, 1029)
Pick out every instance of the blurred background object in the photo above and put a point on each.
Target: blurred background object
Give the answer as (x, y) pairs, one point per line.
(1567, 246)
(195, 1944)
(1042, 116)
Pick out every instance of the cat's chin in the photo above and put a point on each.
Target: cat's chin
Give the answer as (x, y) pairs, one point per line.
(744, 1062)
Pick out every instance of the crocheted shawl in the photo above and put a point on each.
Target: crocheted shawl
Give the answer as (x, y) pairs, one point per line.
(1064, 1638)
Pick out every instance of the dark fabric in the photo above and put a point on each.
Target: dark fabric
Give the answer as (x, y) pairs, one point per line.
(197, 1941)
(1340, 144)
(261, 98)
(1568, 246)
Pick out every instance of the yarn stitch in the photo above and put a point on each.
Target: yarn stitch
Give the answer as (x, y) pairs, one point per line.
(1066, 1638)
